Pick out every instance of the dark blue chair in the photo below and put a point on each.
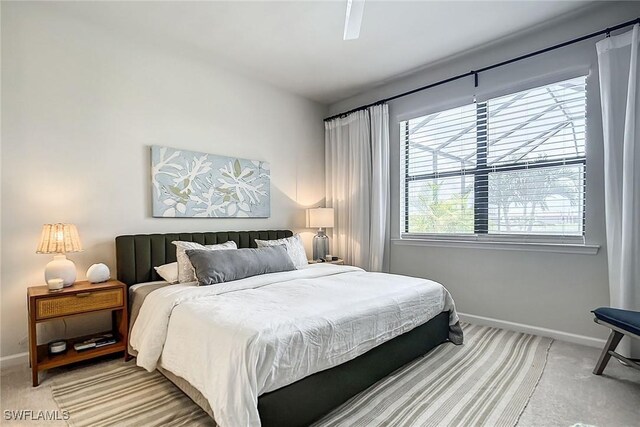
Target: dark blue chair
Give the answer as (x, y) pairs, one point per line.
(621, 323)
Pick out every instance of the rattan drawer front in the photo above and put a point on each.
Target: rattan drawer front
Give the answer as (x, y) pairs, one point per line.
(78, 303)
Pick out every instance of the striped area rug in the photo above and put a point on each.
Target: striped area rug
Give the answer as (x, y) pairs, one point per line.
(124, 395)
(485, 382)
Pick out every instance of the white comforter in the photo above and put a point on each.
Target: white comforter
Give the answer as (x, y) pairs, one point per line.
(238, 340)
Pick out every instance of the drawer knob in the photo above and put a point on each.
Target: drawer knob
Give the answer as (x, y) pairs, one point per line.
(83, 294)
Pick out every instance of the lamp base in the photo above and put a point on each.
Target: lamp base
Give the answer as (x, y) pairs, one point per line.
(61, 268)
(320, 245)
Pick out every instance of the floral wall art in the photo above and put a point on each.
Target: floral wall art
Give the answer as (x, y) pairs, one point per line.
(191, 184)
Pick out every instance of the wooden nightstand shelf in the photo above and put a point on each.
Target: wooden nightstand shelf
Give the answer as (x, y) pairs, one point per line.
(339, 261)
(81, 298)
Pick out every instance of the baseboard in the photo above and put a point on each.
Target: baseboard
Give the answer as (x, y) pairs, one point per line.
(535, 330)
(14, 360)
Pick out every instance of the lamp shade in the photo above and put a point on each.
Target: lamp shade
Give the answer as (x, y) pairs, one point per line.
(320, 217)
(59, 238)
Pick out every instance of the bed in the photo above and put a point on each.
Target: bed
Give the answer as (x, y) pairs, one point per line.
(316, 378)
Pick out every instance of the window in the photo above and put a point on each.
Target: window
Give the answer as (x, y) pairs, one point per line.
(511, 165)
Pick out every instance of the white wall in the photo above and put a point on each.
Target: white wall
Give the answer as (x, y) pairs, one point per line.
(542, 290)
(81, 105)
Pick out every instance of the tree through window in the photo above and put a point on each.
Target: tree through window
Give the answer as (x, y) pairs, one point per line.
(510, 165)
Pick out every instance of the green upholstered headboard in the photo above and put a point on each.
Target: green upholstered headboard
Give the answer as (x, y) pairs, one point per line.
(137, 254)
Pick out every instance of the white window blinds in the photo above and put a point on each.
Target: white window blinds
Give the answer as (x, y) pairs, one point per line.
(509, 165)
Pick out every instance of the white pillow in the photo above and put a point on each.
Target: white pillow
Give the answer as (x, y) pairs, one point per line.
(169, 272)
(185, 269)
(294, 247)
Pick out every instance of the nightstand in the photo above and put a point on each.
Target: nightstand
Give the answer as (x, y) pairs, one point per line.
(80, 298)
(339, 261)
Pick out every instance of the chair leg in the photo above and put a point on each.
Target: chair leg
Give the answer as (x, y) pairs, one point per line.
(612, 343)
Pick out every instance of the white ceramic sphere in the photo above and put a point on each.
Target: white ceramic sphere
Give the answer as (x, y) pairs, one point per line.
(98, 273)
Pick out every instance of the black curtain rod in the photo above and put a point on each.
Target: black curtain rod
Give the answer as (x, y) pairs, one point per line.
(475, 73)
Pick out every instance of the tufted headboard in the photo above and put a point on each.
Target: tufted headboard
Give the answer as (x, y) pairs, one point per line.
(137, 254)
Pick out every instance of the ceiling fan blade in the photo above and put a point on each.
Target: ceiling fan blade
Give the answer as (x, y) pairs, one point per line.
(353, 19)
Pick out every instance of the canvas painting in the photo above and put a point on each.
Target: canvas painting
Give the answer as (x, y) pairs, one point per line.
(192, 184)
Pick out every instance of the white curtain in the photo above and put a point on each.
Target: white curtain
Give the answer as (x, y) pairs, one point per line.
(620, 97)
(357, 186)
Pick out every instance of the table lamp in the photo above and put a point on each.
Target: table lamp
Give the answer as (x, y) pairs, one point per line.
(320, 218)
(59, 239)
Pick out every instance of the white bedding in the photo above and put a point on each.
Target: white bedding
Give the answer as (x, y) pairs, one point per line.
(140, 285)
(237, 340)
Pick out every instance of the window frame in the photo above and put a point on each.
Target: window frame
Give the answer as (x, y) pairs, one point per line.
(481, 173)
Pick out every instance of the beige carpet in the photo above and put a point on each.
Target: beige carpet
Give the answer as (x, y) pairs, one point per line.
(487, 381)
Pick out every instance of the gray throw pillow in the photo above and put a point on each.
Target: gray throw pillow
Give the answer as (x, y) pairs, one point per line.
(213, 267)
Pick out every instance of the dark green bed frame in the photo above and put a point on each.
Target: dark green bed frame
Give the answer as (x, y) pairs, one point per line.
(306, 400)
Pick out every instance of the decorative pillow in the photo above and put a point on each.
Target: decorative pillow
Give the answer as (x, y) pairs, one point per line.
(169, 272)
(213, 267)
(294, 247)
(185, 269)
